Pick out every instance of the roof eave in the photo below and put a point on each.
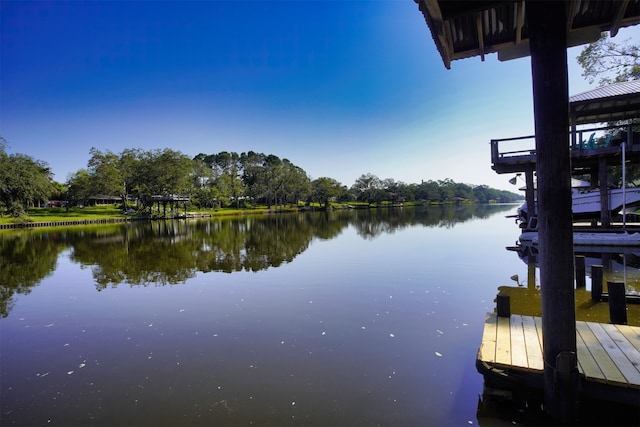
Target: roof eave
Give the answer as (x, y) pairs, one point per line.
(477, 28)
(435, 22)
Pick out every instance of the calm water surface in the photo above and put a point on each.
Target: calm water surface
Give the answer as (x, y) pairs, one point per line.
(340, 319)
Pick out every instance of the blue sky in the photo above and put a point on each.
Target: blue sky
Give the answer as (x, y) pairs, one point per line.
(340, 88)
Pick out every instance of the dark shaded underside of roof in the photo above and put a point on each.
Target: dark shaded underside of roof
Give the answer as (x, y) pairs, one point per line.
(619, 101)
(463, 29)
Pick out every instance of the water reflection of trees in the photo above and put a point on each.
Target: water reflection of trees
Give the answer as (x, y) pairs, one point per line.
(25, 259)
(167, 253)
(164, 253)
(372, 223)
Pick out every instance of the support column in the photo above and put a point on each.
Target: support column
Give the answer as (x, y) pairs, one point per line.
(530, 192)
(548, 44)
(605, 214)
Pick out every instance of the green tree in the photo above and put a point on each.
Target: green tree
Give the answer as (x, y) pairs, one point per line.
(79, 187)
(105, 172)
(252, 166)
(128, 164)
(610, 62)
(397, 191)
(113, 174)
(272, 177)
(482, 193)
(227, 171)
(201, 181)
(445, 188)
(296, 184)
(173, 171)
(464, 191)
(325, 189)
(163, 173)
(428, 191)
(59, 192)
(368, 188)
(24, 181)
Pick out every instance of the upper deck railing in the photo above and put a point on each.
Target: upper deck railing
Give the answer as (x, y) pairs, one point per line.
(519, 153)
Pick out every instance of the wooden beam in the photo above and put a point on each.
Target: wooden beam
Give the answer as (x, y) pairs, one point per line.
(572, 10)
(480, 35)
(519, 21)
(616, 22)
(438, 26)
(548, 43)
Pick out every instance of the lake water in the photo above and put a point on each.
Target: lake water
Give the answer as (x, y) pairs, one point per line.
(347, 318)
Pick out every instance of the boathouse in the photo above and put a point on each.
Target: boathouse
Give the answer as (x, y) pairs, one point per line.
(542, 30)
(596, 142)
(172, 200)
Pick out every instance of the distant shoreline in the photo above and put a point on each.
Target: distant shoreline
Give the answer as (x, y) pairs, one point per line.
(113, 215)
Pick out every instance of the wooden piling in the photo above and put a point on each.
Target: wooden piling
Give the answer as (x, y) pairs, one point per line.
(617, 303)
(581, 278)
(597, 274)
(547, 22)
(503, 305)
(603, 176)
(530, 192)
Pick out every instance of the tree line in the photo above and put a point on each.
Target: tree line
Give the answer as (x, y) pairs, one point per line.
(224, 179)
(232, 179)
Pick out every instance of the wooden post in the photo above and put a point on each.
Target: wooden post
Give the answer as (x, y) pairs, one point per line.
(605, 215)
(617, 303)
(581, 278)
(531, 275)
(503, 305)
(548, 45)
(530, 192)
(596, 282)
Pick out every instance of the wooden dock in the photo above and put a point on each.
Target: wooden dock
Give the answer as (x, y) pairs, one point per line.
(510, 357)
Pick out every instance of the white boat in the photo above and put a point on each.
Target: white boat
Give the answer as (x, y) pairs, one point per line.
(591, 238)
(586, 202)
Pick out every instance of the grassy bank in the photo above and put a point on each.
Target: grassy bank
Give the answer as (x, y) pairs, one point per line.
(89, 213)
(56, 214)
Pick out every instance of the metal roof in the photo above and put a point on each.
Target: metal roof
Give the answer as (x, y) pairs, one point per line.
(612, 90)
(463, 29)
(618, 101)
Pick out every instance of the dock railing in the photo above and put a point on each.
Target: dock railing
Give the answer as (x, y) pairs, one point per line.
(518, 146)
(581, 142)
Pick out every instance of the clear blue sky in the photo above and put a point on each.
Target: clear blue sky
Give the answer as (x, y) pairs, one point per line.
(340, 88)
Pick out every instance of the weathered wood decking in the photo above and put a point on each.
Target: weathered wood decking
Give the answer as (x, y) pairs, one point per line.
(510, 357)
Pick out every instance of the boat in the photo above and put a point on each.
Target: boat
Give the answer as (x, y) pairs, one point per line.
(591, 238)
(586, 206)
(586, 203)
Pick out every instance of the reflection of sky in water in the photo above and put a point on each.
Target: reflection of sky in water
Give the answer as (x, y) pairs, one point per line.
(353, 331)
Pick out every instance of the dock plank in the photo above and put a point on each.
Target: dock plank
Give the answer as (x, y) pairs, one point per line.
(605, 363)
(533, 343)
(587, 365)
(631, 374)
(538, 321)
(487, 352)
(503, 341)
(630, 351)
(632, 334)
(518, 347)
